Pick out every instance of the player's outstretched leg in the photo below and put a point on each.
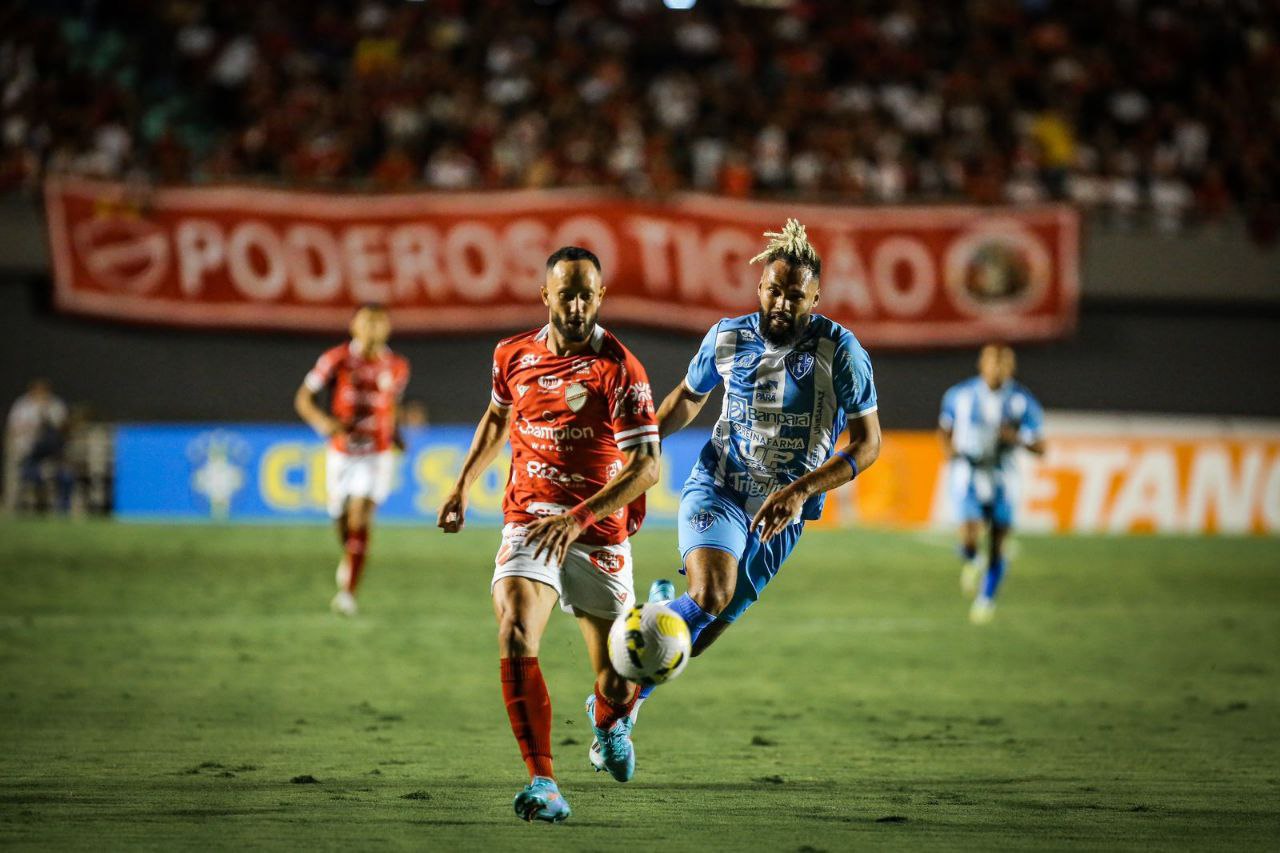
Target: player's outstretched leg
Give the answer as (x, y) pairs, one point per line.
(983, 609)
(971, 570)
(357, 516)
(609, 706)
(523, 606)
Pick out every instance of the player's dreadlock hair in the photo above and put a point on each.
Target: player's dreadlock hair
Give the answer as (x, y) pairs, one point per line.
(792, 245)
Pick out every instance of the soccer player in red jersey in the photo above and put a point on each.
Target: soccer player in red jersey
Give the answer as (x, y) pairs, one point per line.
(365, 381)
(578, 410)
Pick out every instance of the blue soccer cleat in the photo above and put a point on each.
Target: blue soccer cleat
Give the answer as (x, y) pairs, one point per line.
(541, 800)
(612, 751)
(661, 590)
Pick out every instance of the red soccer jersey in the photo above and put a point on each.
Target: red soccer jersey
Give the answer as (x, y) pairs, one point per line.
(362, 395)
(573, 416)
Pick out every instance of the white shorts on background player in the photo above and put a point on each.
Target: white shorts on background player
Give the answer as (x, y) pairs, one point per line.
(595, 579)
(358, 475)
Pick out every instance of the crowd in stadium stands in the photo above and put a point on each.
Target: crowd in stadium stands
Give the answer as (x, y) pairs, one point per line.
(1160, 111)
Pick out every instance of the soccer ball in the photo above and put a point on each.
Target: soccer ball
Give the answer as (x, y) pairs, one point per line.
(649, 644)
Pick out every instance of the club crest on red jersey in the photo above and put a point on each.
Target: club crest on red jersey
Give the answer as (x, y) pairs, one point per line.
(575, 396)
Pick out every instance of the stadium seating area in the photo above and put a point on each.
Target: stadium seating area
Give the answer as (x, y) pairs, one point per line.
(1141, 110)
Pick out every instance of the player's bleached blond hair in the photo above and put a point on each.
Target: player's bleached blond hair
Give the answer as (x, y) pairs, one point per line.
(792, 245)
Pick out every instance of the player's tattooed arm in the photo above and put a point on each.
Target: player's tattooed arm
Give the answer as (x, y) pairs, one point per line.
(491, 432)
(555, 534)
(783, 506)
(679, 408)
(304, 403)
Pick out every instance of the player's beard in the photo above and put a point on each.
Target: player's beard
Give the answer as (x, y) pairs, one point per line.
(574, 333)
(778, 329)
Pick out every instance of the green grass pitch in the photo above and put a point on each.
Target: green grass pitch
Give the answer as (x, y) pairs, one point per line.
(165, 687)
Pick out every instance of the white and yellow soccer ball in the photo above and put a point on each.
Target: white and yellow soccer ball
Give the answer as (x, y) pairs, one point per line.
(649, 644)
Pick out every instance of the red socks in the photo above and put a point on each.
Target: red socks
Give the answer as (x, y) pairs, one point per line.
(356, 545)
(609, 712)
(529, 707)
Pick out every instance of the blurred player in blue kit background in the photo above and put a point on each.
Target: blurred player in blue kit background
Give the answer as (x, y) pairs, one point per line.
(983, 422)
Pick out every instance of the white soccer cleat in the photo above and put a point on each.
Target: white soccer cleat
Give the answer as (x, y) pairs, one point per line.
(970, 575)
(344, 604)
(982, 611)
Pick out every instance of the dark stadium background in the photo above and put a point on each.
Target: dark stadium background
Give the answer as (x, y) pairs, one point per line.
(183, 685)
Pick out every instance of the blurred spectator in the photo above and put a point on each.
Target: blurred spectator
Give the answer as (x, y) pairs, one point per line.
(1160, 110)
(35, 443)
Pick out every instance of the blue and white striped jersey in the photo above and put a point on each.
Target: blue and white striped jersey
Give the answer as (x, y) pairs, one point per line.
(974, 413)
(784, 407)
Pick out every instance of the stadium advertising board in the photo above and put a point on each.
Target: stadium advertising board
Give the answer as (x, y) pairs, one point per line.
(238, 257)
(1101, 475)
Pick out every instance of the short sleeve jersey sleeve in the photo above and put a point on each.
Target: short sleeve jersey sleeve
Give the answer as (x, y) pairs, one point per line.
(854, 380)
(1027, 416)
(702, 376)
(500, 393)
(322, 373)
(635, 419)
(947, 414)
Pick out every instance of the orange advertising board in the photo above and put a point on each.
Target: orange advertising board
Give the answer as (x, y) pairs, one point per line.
(1100, 475)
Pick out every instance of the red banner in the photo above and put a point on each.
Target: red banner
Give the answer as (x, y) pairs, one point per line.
(240, 257)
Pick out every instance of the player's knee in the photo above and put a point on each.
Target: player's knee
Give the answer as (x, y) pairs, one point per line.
(711, 595)
(515, 639)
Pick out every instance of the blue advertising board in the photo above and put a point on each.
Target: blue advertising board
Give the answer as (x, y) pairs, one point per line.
(259, 472)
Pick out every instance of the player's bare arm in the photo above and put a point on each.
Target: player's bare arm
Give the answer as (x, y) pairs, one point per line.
(555, 534)
(783, 506)
(679, 408)
(304, 403)
(490, 433)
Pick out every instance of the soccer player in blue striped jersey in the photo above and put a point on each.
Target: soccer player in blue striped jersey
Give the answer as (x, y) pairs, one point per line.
(793, 381)
(984, 421)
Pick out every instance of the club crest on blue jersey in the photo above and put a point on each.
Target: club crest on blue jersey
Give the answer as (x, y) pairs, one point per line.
(702, 521)
(799, 364)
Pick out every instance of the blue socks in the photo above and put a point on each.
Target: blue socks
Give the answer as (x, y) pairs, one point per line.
(694, 616)
(995, 574)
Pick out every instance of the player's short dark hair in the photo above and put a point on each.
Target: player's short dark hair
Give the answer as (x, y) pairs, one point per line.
(573, 253)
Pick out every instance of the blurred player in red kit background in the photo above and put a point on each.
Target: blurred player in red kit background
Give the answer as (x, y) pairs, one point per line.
(365, 381)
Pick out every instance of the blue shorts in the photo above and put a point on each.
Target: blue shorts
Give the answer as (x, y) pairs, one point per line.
(979, 495)
(711, 518)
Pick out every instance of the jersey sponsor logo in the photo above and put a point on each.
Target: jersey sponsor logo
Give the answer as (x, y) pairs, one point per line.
(385, 380)
(746, 360)
(582, 365)
(640, 397)
(495, 367)
(575, 396)
(799, 364)
(550, 383)
(762, 457)
(767, 391)
(522, 390)
(607, 561)
(746, 335)
(529, 360)
(742, 411)
(702, 521)
(785, 442)
(555, 433)
(544, 471)
(748, 486)
(542, 509)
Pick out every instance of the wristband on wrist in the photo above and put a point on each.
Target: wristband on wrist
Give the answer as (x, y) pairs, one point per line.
(583, 515)
(848, 457)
